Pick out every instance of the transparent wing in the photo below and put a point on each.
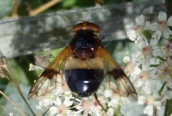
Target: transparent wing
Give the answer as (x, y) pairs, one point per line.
(112, 69)
(48, 79)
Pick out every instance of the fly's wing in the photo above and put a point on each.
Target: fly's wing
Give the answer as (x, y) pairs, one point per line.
(112, 69)
(48, 79)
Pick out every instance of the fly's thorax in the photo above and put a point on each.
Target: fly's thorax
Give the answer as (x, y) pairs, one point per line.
(84, 44)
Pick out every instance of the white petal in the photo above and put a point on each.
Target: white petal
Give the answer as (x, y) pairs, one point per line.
(140, 42)
(11, 114)
(153, 42)
(46, 102)
(147, 25)
(158, 104)
(110, 112)
(166, 34)
(156, 52)
(141, 100)
(140, 20)
(108, 93)
(162, 16)
(138, 83)
(126, 59)
(168, 94)
(147, 87)
(113, 103)
(169, 31)
(169, 22)
(136, 56)
(39, 106)
(132, 34)
(53, 110)
(149, 110)
(154, 26)
(58, 101)
(125, 100)
(145, 64)
(68, 102)
(137, 70)
(155, 38)
(156, 94)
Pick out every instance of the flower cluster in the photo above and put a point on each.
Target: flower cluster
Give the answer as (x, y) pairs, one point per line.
(61, 101)
(150, 68)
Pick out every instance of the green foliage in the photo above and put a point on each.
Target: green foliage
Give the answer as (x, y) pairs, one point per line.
(140, 0)
(6, 7)
(147, 34)
(77, 3)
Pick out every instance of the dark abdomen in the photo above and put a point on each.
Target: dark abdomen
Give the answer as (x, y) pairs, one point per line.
(84, 81)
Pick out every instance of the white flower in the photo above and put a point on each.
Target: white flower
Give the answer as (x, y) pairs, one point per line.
(11, 114)
(133, 70)
(110, 112)
(126, 59)
(167, 48)
(96, 108)
(164, 71)
(169, 83)
(149, 110)
(44, 103)
(147, 88)
(132, 35)
(90, 106)
(155, 38)
(136, 33)
(61, 87)
(163, 24)
(34, 67)
(153, 61)
(144, 76)
(151, 101)
(148, 48)
(61, 108)
(53, 110)
(137, 57)
(84, 105)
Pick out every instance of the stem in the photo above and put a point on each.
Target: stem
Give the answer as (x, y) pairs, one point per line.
(161, 58)
(13, 103)
(15, 9)
(18, 88)
(43, 7)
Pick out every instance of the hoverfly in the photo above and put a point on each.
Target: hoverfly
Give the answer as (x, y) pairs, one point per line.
(85, 62)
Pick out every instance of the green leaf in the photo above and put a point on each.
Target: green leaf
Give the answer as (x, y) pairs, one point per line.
(6, 7)
(147, 34)
(68, 3)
